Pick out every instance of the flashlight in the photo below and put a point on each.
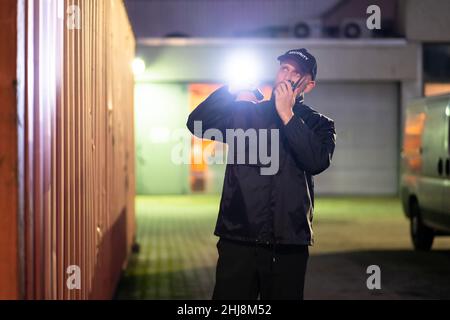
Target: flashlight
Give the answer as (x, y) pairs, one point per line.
(258, 94)
(243, 71)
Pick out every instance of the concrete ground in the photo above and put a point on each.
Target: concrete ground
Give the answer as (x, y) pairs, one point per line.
(178, 253)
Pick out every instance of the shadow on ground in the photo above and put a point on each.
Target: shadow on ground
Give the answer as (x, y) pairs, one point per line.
(405, 274)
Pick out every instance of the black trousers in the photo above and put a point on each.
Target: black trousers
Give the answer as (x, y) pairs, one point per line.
(249, 270)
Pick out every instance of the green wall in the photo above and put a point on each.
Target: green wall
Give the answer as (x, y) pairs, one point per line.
(160, 109)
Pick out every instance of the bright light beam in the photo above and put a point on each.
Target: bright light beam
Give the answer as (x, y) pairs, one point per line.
(242, 71)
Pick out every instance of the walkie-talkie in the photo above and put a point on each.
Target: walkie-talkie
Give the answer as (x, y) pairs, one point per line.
(295, 85)
(258, 94)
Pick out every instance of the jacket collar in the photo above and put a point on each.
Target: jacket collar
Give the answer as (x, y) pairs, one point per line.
(300, 99)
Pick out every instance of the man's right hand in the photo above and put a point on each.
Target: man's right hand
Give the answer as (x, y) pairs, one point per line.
(246, 96)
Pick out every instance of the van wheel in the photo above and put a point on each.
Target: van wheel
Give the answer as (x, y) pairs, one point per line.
(421, 235)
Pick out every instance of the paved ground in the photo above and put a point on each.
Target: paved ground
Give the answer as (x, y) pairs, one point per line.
(178, 253)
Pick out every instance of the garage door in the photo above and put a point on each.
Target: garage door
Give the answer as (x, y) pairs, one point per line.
(367, 125)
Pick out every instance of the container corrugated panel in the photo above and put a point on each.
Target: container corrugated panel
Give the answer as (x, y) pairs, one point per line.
(9, 267)
(78, 152)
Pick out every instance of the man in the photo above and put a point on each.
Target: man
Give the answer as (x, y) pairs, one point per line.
(264, 221)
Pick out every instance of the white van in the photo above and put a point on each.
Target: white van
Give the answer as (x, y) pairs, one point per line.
(425, 169)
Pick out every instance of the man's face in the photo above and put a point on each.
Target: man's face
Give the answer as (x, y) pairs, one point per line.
(290, 70)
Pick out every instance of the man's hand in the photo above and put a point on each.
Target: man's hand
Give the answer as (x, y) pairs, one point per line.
(285, 99)
(246, 96)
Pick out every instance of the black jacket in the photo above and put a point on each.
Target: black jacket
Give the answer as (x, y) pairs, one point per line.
(275, 208)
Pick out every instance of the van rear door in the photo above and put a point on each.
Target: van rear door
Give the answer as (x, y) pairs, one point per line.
(433, 154)
(446, 190)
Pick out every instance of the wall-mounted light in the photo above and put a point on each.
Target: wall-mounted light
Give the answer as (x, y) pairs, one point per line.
(138, 66)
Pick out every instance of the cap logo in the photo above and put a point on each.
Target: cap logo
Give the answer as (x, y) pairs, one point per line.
(299, 53)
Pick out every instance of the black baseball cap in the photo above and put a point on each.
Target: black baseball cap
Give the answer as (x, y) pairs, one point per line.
(306, 60)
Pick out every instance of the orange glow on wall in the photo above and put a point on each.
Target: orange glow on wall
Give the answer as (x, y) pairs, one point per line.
(434, 89)
(198, 92)
(413, 140)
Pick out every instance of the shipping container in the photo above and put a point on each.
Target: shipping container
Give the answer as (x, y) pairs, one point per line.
(67, 148)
